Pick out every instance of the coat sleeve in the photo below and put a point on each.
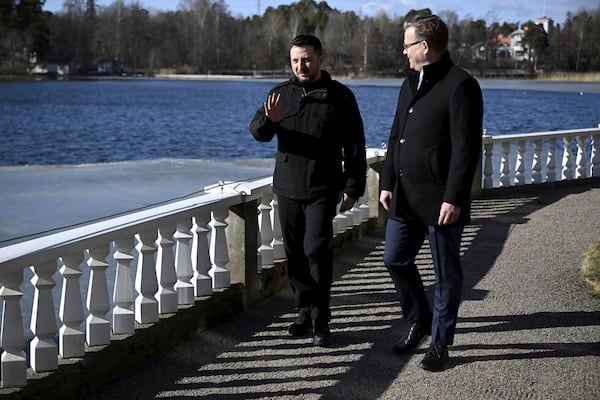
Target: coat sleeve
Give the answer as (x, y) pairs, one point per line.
(261, 127)
(466, 120)
(355, 160)
(388, 174)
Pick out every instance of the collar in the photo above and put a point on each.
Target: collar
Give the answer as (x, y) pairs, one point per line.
(324, 81)
(431, 72)
(437, 70)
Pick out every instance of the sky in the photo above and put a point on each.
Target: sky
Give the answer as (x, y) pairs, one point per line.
(489, 10)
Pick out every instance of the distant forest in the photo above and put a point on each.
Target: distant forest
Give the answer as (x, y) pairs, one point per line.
(202, 37)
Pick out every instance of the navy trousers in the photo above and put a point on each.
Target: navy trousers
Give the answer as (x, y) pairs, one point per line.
(402, 243)
(307, 232)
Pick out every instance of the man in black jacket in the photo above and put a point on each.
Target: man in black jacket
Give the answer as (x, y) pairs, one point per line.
(320, 161)
(433, 151)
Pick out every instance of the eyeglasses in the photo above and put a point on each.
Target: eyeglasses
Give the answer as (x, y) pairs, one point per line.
(407, 46)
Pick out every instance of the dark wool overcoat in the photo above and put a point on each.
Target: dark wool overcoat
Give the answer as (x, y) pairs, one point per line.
(435, 143)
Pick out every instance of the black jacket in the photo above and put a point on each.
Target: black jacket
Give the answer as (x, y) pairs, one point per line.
(434, 144)
(323, 129)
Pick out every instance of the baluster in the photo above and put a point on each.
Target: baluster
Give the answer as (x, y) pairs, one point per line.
(183, 261)
(146, 306)
(12, 336)
(551, 163)
(567, 161)
(340, 222)
(97, 324)
(595, 159)
(71, 338)
(505, 165)
(201, 256)
(165, 270)
(488, 169)
(363, 203)
(218, 249)
(355, 214)
(536, 167)
(581, 161)
(43, 350)
(123, 315)
(520, 164)
(277, 243)
(266, 231)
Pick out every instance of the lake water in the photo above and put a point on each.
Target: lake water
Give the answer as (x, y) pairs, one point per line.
(82, 122)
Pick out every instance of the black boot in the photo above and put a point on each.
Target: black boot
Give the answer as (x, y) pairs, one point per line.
(302, 324)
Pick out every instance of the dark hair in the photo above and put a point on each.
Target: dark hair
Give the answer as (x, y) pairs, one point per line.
(433, 30)
(307, 40)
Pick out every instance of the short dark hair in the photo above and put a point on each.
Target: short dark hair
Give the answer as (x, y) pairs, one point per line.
(433, 30)
(307, 40)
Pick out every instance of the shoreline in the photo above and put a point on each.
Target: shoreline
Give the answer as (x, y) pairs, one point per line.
(575, 77)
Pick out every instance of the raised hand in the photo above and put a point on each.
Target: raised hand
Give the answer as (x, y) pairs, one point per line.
(273, 108)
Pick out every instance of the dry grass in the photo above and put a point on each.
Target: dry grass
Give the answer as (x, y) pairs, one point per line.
(570, 76)
(590, 268)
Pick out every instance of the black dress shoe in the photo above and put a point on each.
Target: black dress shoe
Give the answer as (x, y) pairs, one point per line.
(416, 333)
(301, 325)
(436, 358)
(322, 334)
(322, 339)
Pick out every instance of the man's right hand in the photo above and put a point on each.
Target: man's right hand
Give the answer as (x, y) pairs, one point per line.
(273, 109)
(385, 197)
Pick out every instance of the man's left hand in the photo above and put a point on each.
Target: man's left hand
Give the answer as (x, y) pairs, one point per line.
(449, 214)
(347, 202)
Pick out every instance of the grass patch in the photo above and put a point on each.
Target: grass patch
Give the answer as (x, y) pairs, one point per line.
(590, 268)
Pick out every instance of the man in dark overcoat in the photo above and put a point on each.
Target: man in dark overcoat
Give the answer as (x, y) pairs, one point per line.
(433, 151)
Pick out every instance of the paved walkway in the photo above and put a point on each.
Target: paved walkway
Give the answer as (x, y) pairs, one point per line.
(528, 326)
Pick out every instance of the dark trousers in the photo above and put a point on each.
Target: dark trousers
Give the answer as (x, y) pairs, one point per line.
(307, 232)
(402, 243)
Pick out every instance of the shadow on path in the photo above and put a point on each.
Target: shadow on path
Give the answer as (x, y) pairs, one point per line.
(251, 356)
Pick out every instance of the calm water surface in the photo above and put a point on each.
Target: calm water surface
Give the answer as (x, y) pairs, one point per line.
(75, 122)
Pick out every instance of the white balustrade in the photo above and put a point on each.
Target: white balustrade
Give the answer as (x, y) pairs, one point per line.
(277, 242)
(123, 314)
(551, 164)
(42, 349)
(146, 305)
(576, 159)
(488, 152)
(183, 262)
(363, 205)
(595, 157)
(165, 270)
(71, 338)
(97, 324)
(12, 337)
(505, 166)
(186, 261)
(520, 164)
(218, 249)
(567, 160)
(203, 285)
(265, 231)
(536, 167)
(581, 161)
